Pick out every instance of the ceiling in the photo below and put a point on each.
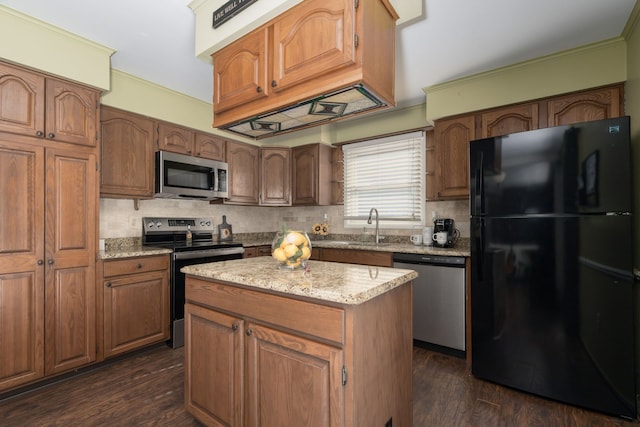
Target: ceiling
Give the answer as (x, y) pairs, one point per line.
(154, 39)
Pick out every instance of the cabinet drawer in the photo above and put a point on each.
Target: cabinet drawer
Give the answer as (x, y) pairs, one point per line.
(313, 319)
(135, 265)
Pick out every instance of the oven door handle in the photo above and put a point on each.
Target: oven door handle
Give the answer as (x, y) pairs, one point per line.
(207, 253)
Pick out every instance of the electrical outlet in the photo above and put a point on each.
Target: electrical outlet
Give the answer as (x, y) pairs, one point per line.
(133, 221)
(389, 423)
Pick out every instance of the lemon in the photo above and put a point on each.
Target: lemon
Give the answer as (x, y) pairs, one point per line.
(290, 250)
(279, 255)
(295, 238)
(293, 264)
(306, 252)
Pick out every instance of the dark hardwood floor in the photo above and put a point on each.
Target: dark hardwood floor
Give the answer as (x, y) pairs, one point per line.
(146, 389)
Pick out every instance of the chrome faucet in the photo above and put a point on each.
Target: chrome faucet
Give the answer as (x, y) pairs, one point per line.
(377, 223)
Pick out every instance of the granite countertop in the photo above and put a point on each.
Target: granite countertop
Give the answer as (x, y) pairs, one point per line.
(461, 248)
(133, 251)
(328, 281)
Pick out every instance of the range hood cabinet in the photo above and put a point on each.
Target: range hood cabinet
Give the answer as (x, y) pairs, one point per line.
(320, 61)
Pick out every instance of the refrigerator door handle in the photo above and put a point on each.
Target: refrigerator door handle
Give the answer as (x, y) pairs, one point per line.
(482, 252)
(477, 204)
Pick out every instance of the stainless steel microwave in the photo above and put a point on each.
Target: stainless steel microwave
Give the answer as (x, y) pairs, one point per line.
(188, 177)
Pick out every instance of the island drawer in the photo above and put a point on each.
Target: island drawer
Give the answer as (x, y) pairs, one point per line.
(309, 318)
(142, 264)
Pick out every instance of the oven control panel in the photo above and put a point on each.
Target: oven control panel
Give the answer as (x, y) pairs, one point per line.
(154, 225)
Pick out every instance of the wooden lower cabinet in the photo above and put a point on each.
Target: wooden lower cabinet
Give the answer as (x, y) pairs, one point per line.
(255, 251)
(354, 256)
(135, 302)
(260, 359)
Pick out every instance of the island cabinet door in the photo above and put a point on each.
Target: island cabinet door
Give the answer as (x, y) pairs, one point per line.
(292, 380)
(213, 366)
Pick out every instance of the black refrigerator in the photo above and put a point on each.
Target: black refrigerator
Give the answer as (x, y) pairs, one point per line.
(551, 264)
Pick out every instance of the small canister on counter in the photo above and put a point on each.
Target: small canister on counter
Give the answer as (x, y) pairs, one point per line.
(427, 236)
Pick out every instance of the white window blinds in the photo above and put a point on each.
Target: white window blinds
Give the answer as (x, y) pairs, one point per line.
(387, 174)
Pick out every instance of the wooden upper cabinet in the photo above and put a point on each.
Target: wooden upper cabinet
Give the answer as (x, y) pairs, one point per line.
(46, 107)
(71, 113)
(210, 147)
(317, 39)
(337, 176)
(240, 72)
(244, 173)
(311, 174)
(452, 152)
(127, 154)
(275, 182)
(452, 135)
(431, 162)
(502, 121)
(314, 48)
(586, 106)
(22, 100)
(176, 139)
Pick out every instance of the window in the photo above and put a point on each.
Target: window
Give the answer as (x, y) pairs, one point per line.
(387, 174)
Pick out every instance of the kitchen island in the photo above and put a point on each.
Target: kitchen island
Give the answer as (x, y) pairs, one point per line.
(326, 346)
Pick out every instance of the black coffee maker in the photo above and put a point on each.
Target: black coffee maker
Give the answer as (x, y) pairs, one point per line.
(448, 226)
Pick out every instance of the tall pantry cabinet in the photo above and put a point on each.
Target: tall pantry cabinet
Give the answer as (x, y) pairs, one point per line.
(48, 210)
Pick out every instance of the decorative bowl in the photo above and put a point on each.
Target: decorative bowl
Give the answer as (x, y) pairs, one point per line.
(291, 248)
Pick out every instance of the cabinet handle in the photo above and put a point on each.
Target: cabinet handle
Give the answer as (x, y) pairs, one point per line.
(234, 327)
(274, 83)
(40, 262)
(139, 266)
(259, 89)
(39, 134)
(108, 284)
(50, 261)
(249, 332)
(51, 135)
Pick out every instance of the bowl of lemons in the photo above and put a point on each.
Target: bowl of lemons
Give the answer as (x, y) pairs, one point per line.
(291, 249)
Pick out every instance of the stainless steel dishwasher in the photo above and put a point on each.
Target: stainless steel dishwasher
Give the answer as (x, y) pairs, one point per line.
(439, 300)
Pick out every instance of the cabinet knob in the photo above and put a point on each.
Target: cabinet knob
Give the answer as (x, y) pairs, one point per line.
(40, 262)
(249, 332)
(259, 89)
(234, 327)
(51, 135)
(39, 134)
(139, 266)
(274, 83)
(50, 261)
(108, 284)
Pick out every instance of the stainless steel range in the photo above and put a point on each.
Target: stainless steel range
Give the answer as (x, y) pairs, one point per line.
(173, 233)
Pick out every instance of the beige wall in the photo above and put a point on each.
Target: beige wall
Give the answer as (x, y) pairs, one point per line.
(36, 44)
(589, 66)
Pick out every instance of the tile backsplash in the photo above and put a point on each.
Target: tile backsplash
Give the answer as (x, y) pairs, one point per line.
(119, 218)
